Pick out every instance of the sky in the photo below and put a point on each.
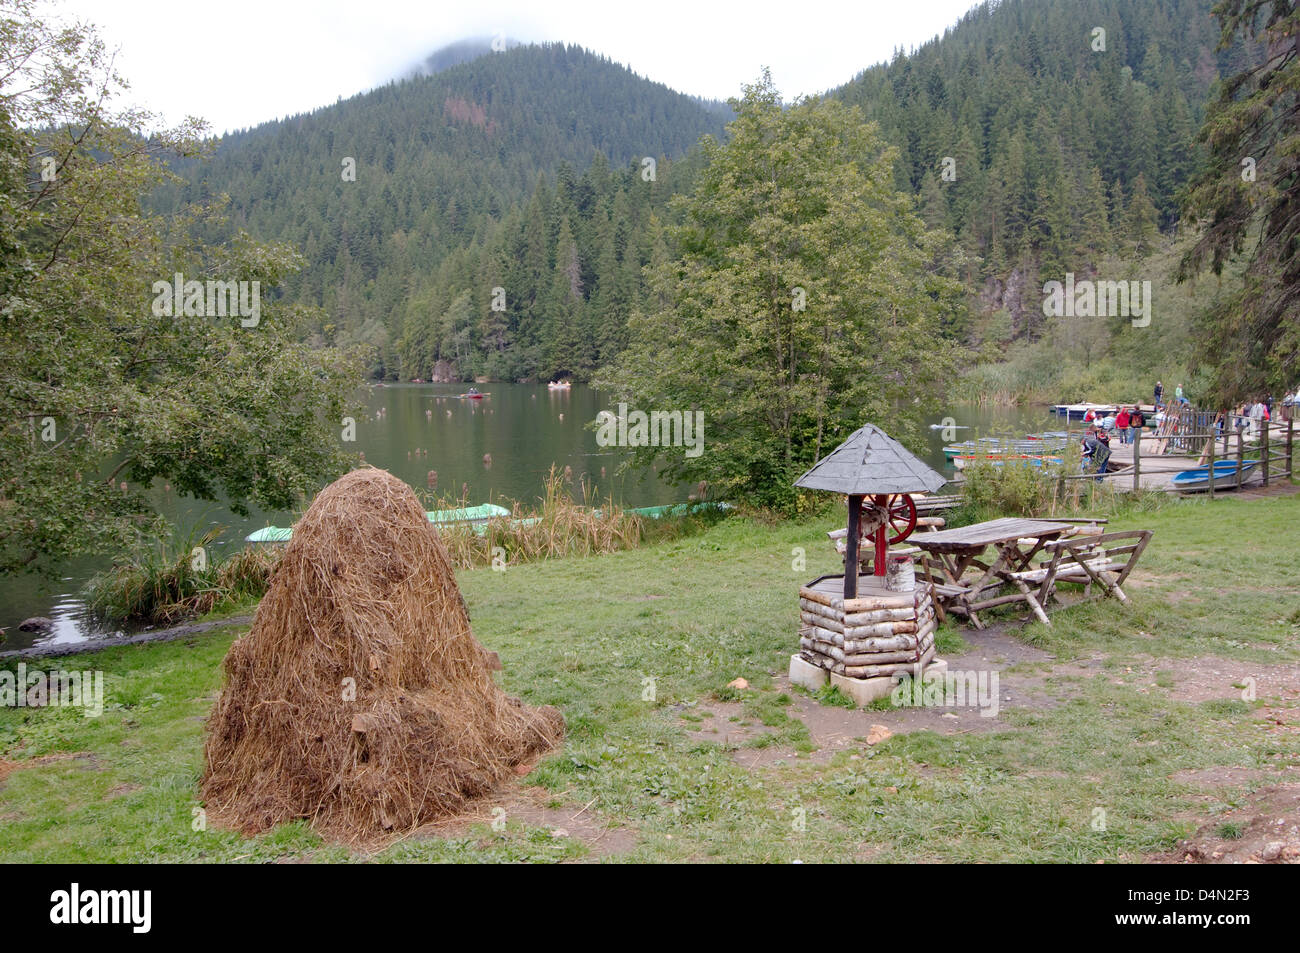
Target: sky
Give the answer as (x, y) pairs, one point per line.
(236, 63)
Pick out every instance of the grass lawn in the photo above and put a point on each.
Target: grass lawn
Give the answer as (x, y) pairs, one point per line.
(1121, 730)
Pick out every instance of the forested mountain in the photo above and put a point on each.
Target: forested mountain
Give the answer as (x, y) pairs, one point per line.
(444, 164)
(1066, 144)
(1040, 143)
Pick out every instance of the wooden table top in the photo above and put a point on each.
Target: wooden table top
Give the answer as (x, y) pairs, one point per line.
(979, 535)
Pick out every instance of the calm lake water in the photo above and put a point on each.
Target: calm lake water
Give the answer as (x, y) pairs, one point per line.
(415, 428)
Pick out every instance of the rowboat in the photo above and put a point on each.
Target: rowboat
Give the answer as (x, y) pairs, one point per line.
(558, 385)
(992, 446)
(998, 459)
(1079, 411)
(1197, 480)
(473, 515)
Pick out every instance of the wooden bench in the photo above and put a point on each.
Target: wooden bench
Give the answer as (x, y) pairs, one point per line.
(930, 504)
(1106, 560)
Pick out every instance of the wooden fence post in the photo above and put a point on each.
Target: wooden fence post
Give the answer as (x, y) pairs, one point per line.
(1290, 427)
(1211, 459)
(1241, 452)
(1137, 460)
(1264, 452)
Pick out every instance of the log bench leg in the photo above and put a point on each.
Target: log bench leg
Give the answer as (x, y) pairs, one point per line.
(1033, 603)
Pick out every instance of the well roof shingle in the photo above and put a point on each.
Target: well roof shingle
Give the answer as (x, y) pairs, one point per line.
(871, 461)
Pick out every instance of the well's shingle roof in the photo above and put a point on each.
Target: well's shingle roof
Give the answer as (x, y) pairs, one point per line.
(871, 461)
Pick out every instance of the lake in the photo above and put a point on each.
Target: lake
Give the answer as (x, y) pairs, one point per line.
(413, 429)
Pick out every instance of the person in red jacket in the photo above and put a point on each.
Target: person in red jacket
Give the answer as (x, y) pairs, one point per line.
(1121, 424)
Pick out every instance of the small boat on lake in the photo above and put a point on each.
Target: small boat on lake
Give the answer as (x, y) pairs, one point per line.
(1197, 480)
(473, 515)
(998, 459)
(1032, 446)
(558, 385)
(1080, 411)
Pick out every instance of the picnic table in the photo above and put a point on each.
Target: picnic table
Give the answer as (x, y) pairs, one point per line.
(961, 552)
(1104, 560)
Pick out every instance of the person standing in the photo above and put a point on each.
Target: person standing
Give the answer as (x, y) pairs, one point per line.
(1160, 394)
(1122, 425)
(1178, 394)
(1135, 422)
(1089, 448)
(1101, 456)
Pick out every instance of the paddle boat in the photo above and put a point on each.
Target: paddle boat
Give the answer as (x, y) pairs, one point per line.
(1197, 479)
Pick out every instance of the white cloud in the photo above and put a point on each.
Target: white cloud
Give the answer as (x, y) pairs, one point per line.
(240, 62)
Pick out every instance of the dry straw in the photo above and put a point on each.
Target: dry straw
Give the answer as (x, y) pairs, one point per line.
(364, 592)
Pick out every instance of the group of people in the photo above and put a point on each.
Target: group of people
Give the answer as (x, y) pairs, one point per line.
(1179, 396)
(1125, 423)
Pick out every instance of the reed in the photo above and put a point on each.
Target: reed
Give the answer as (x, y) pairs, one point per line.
(171, 582)
(559, 525)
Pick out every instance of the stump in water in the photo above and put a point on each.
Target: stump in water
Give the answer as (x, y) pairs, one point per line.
(360, 699)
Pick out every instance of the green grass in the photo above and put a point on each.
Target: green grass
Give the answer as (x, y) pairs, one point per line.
(685, 617)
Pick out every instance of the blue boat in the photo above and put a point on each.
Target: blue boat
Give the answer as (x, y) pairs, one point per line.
(1197, 480)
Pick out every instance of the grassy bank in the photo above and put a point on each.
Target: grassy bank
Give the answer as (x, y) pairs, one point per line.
(1123, 710)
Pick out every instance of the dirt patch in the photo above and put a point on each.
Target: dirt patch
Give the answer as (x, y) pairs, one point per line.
(89, 758)
(723, 723)
(122, 789)
(532, 806)
(1204, 678)
(1259, 492)
(1218, 776)
(1265, 829)
(834, 729)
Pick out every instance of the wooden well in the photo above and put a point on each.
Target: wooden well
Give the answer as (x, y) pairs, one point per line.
(879, 634)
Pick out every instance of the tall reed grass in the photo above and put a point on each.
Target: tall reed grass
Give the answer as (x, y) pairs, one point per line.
(561, 524)
(174, 581)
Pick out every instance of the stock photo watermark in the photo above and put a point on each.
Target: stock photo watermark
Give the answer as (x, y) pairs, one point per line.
(1086, 298)
(969, 689)
(210, 299)
(35, 688)
(659, 428)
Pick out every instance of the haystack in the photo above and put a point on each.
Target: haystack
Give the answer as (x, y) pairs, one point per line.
(360, 699)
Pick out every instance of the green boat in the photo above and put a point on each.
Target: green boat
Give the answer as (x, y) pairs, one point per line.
(474, 515)
(677, 509)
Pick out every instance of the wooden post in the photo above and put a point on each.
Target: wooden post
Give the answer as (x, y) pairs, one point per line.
(1137, 460)
(1241, 452)
(1290, 427)
(851, 547)
(1211, 459)
(1264, 452)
